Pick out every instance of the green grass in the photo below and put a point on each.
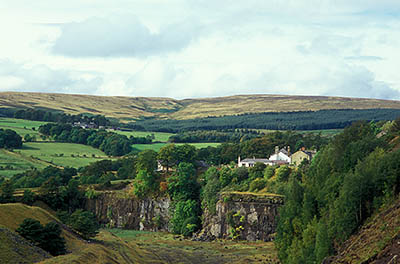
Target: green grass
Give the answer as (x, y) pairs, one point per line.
(21, 126)
(16, 163)
(158, 146)
(168, 246)
(62, 154)
(42, 154)
(158, 136)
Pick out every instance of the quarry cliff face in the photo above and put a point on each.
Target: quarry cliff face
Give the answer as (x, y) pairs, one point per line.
(130, 213)
(242, 216)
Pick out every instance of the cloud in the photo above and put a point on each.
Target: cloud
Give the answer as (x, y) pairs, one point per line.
(122, 36)
(358, 81)
(20, 77)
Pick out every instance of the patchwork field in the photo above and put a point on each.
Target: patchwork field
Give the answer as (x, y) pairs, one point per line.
(42, 154)
(22, 127)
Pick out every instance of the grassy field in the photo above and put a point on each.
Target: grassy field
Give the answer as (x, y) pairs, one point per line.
(158, 146)
(42, 154)
(131, 108)
(13, 163)
(22, 127)
(62, 154)
(169, 247)
(158, 136)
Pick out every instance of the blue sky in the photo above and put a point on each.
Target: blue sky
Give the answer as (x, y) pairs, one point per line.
(185, 49)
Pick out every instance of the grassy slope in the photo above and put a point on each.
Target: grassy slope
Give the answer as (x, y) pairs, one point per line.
(12, 215)
(129, 108)
(42, 154)
(22, 127)
(15, 249)
(377, 241)
(129, 246)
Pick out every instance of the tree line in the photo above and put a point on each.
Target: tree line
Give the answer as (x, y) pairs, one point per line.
(302, 120)
(111, 143)
(229, 135)
(348, 181)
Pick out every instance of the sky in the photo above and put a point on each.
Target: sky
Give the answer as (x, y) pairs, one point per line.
(197, 48)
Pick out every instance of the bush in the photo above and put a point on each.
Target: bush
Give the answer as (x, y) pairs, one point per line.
(47, 237)
(84, 222)
(258, 184)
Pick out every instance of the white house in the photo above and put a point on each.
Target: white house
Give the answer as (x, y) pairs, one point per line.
(251, 162)
(281, 155)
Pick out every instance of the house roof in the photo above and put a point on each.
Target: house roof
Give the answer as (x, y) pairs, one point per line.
(255, 160)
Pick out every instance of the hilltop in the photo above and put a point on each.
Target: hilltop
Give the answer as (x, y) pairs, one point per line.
(132, 108)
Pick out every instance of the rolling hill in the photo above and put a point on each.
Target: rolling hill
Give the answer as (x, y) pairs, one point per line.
(132, 108)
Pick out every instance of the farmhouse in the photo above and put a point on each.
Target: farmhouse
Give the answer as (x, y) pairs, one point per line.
(280, 157)
(301, 155)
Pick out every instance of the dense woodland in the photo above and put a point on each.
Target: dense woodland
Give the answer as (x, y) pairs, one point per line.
(306, 120)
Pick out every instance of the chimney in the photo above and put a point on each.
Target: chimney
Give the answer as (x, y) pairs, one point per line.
(276, 149)
(288, 150)
(239, 161)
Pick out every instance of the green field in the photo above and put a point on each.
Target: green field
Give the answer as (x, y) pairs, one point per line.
(158, 146)
(62, 154)
(42, 154)
(12, 163)
(22, 127)
(158, 136)
(167, 247)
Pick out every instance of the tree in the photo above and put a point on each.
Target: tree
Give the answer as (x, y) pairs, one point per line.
(52, 240)
(147, 161)
(6, 192)
(144, 183)
(84, 222)
(167, 156)
(182, 185)
(185, 217)
(47, 237)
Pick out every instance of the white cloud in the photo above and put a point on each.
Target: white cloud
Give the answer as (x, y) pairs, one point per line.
(19, 77)
(122, 36)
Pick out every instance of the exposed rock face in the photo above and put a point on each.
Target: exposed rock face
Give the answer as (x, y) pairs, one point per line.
(130, 213)
(242, 216)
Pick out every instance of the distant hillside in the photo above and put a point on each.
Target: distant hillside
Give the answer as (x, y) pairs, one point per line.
(130, 108)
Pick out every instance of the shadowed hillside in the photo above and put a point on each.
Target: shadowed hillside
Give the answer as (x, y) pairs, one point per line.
(378, 240)
(130, 108)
